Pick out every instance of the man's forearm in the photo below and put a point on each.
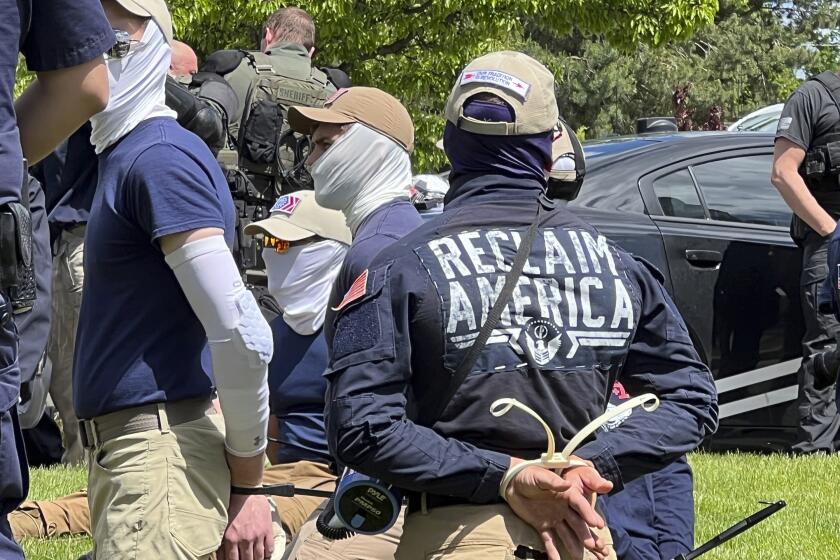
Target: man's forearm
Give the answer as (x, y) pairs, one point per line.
(246, 471)
(802, 202)
(56, 104)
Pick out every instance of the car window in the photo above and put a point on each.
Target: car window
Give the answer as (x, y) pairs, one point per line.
(739, 190)
(678, 196)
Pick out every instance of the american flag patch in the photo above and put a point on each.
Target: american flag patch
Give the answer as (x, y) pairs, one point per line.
(357, 290)
(335, 96)
(286, 204)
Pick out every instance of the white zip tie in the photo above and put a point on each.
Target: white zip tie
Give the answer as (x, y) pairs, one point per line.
(552, 460)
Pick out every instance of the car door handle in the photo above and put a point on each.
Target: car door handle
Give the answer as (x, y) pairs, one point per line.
(703, 258)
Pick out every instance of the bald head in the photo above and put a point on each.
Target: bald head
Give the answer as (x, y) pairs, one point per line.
(184, 61)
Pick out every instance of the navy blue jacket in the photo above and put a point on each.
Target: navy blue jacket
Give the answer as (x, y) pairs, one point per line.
(652, 518)
(584, 314)
(385, 225)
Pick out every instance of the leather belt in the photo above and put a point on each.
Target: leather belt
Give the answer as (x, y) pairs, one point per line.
(97, 431)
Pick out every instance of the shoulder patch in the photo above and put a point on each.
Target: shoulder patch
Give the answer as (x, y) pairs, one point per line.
(357, 290)
(784, 123)
(286, 204)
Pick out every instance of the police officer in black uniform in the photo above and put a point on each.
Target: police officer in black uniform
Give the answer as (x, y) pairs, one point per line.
(581, 314)
(806, 167)
(63, 42)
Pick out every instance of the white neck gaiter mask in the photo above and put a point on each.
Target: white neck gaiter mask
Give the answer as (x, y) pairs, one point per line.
(300, 281)
(138, 89)
(360, 172)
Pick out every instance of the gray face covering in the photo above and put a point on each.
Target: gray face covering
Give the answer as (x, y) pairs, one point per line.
(301, 279)
(360, 172)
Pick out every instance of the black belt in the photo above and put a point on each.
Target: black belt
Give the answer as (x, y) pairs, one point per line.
(416, 501)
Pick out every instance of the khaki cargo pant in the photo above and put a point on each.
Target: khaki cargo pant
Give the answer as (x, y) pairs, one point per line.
(311, 545)
(295, 510)
(471, 532)
(70, 515)
(67, 282)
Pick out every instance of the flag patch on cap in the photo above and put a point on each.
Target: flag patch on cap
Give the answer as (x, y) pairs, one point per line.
(336, 95)
(501, 79)
(286, 204)
(357, 290)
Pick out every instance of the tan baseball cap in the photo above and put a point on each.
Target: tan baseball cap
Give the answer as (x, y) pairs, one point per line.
(155, 9)
(297, 216)
(525, 84)
(371, 107)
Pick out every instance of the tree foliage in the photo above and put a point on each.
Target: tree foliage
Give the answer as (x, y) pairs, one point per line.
(754, 54)
(414, 49)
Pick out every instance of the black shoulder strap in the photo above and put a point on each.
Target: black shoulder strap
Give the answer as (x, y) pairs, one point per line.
(511, 278)
(25, 12)
(831, 82)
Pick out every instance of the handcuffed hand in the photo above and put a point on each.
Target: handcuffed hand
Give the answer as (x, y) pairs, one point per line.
(560, 508)
(249, 534)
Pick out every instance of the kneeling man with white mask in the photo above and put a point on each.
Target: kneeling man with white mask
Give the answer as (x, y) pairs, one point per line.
(160, 284)
(304, 246)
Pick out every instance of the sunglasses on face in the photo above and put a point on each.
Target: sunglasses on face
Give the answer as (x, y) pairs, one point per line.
(282, 245)
(123, 45)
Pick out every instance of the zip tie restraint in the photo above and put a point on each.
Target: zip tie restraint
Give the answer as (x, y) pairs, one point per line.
(551, 459)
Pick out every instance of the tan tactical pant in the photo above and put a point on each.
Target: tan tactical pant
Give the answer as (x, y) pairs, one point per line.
(295, 510)
(160, 493)
(472, 532)
(70, 515)
(311, 545)
(68, 279)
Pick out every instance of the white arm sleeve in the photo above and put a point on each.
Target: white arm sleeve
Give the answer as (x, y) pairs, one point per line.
(241, 343)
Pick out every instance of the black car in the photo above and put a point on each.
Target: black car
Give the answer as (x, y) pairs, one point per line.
(700, 206)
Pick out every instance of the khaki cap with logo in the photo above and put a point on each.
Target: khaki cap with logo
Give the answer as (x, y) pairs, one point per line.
(371, 107)
(155, 9)
(525, 84)
(297, 216)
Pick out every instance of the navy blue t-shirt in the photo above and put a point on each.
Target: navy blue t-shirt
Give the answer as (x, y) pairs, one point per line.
(297, 385)
(138, 340)
(62, 33)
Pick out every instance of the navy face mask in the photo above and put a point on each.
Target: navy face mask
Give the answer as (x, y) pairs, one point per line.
(518, 157)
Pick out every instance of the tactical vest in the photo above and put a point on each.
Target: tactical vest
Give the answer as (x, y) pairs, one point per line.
(262, 145)
(263, 157)
(821, 166)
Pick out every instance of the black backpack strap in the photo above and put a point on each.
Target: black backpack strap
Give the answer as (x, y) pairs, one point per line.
(25, 12)
(831, 82)
(468, 361)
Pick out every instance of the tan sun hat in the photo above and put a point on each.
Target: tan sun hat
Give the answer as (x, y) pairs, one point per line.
(297, 216)
(371, 107)
(525, 84)
(155, 9)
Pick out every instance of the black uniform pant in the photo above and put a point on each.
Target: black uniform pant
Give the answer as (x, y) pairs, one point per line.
(818, 419)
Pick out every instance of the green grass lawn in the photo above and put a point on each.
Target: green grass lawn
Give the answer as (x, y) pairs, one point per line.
(727, 489)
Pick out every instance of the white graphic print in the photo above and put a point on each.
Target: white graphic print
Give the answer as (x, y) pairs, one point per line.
(543, 340)
(570, 294)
